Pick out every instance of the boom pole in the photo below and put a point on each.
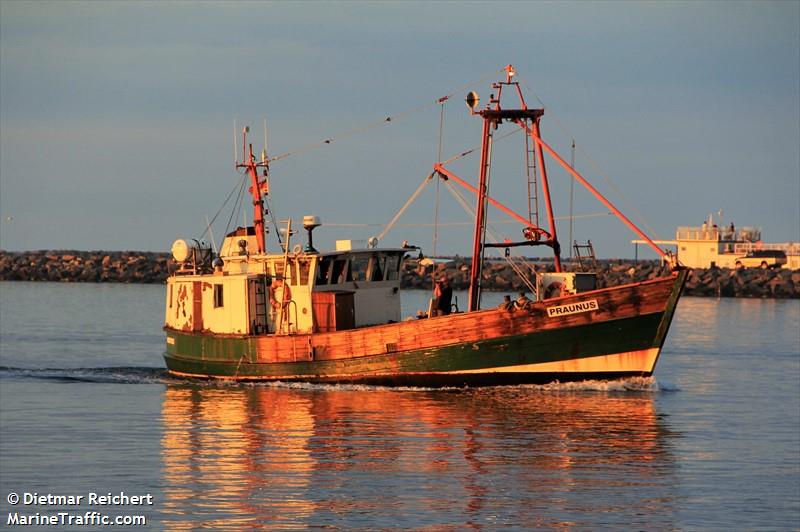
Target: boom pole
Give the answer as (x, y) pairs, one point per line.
(438, 168)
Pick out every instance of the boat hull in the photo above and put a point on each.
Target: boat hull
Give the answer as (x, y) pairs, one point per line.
(620, 336)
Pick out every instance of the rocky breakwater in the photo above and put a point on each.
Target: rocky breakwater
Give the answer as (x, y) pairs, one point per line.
(85, 266)
(713, 282)
(149, 267)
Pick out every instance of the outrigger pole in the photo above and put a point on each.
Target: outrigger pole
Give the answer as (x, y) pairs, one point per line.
(447, 174)
(257, 187)
(542, 144)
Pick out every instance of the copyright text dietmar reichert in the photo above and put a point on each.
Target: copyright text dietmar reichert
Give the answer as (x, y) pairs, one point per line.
(31, 508)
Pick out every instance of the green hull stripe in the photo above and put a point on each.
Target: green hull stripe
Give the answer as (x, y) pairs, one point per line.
(232, 357)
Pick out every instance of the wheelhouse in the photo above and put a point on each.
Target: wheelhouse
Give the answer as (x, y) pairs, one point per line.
(290, 293)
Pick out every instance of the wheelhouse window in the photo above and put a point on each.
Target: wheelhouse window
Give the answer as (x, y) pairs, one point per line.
(323, 270)
(218, 300)
(377, 266)
(358, 268)
(339, 271)
(303, 268)
(392, 267)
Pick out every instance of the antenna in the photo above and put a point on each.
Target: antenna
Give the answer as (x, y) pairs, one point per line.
(571, 195)
(265, 135)
(245, 131)
(235, 147)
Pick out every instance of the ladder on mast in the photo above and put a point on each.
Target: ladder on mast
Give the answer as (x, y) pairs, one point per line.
(533, 189)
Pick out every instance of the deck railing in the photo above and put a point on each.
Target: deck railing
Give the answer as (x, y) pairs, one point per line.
(715, 234)
(790, 248)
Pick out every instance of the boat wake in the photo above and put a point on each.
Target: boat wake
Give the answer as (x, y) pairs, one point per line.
(150, 375)
(113, 375)
(631, 384)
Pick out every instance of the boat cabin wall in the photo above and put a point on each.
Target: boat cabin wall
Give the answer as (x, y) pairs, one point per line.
(290, 294)
(274, 294)
(208, 303)
(701, 253)
(231, 246)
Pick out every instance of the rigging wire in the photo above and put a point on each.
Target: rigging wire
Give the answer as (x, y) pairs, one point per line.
(274, 221)
(208, 225)
(237, 205)
(439, 101)
(469, 151)
(455, 224)
(383, 121)
(595, 165)
(406, 206)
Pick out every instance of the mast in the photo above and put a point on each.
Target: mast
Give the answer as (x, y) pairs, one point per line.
(479, 236)
(257, 187)
(493, 115)
(528, 119)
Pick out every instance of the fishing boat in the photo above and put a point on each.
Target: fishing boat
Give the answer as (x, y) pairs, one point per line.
(299, 314)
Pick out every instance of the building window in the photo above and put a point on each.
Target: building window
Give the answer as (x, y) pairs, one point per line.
(218, 301)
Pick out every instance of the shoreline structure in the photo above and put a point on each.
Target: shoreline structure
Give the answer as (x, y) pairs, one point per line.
(154, 267)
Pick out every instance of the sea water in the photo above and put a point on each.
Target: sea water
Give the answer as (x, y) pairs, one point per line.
(86, 410)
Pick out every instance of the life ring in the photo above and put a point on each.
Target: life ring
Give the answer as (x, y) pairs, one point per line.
(556, 289)
(287, 294)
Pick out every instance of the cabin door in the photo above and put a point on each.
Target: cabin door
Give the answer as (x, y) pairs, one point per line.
(197, 306)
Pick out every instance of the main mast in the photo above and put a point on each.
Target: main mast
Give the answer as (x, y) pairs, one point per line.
(493, 115)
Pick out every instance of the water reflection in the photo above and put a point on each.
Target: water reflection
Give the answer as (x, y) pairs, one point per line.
(258, 456)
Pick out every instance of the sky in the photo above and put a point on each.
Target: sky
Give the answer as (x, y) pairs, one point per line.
(117, 118)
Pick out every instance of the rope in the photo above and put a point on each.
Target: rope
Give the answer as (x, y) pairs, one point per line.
(406, 206)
